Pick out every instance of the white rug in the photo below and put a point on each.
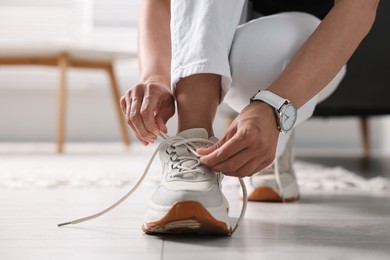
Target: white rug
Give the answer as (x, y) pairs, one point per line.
(37, 166)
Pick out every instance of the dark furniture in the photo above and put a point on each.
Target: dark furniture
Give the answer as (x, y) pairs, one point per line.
(365, 90)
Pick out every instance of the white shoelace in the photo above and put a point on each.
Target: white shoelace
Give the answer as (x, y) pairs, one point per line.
(175, 141)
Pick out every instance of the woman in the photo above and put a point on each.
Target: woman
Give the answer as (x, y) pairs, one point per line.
(272, 70)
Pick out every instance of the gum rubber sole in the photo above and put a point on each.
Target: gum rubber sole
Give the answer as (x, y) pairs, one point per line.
(187, 217)
(266, 194)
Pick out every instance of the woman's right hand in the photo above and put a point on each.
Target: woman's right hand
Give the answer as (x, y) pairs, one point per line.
(147, 107)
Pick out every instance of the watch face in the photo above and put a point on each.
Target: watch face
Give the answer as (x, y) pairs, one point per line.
(288, 117)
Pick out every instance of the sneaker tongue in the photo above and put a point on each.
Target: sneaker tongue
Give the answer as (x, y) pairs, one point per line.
(187, 134)
(195, 133)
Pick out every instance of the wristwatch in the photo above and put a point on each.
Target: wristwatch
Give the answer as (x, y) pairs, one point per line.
(285, 111)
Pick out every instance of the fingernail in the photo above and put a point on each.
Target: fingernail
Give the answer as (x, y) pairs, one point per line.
(157, 133)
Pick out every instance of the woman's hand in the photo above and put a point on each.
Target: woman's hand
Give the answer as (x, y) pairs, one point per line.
(249, 144)
(147, 107)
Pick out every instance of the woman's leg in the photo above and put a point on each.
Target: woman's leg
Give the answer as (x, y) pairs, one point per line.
(189, 198)
(202, 34)
(260, 51)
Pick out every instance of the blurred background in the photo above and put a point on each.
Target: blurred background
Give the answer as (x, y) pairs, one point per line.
(29, 93)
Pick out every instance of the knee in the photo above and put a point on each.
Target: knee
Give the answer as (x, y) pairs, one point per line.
(263, 47)
(298, 27)
(294, 28)
(302, 24)
(285, 32)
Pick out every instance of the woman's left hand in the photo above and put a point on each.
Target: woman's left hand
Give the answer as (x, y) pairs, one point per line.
(249, 144)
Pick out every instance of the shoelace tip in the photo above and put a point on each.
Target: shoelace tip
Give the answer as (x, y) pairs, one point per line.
(64, 224)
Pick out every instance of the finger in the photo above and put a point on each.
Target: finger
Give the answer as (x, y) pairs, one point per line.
(207, 150)
(161, 124)
(136, 133)
(122, 103)
(126, 102)
(163, 115)
(148, 108)
(212, 148)
(228, 149)
(236, 161)
(248, 169)
(135, 115)
(128, 105)
(127, 111)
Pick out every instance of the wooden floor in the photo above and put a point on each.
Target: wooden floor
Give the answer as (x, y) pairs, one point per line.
(320, 226)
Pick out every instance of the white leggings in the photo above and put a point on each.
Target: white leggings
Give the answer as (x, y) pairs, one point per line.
(206, 39)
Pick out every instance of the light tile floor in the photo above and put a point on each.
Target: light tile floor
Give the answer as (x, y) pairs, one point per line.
(322, 225)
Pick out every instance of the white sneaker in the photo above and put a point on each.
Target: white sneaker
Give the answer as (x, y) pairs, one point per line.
(277, 182)
(189, 198)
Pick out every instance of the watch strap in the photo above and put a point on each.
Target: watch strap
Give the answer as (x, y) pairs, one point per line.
(269, 98)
